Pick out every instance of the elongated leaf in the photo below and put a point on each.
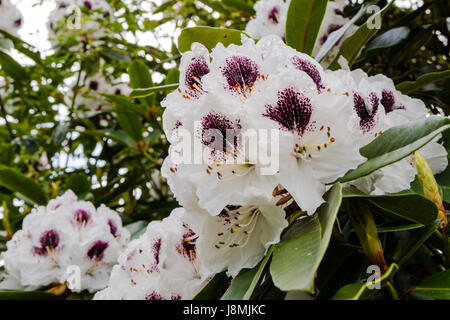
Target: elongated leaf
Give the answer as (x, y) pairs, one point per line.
(389, 38)
(140, 76)
(208, 36)
(297, 257)
(410, 86)
(357, 291)
(115, 55)
(437, 286)
(415, 242)
(115, 135)
(352, 46)
(213, 287)
(17, 182)
(78, 183)
(145, 92)
(411, 206)
(12, 68)
(397, 143)
(245, 282)
(125, 105)
(303, 23)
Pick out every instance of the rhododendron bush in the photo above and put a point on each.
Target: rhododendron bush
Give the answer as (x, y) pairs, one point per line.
(270, 149)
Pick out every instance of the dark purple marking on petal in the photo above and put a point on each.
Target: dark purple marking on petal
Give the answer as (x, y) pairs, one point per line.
(339, 12)
(97, 250)
(178, 124)
(117, 91)
(194, 73)
(240, 73)
(18, 22)
(177, 297)
(49, 241)
(274, 14)
(366, 117)
(82, 216)
(388, 101)
(310, 69)
(292, 112)
(153, 296)
(331, 29)
(112, 227)
(88, 4)
(156, 250)
(220, 133)
(93, 85)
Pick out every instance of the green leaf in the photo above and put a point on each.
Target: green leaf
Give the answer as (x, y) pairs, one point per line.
(352, 46)
(297, 257)
(303, 23)
(115, 55)
(397, 143)
(357, 291)
(12, 68)
(140, 76)
(123, 104)
(411, 206)
(115, 135)
(78, 183)
(437, 286)
(27, 295)
(208, 36)
(415, 242)
(410, 86)
(244, 284)
(389, 38)
(17, 182)
(145, 92)
(214, 286)
(240, 5)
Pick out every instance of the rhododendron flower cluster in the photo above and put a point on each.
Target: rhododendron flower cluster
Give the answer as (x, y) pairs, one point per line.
(161, 265)
(10, 17)
(65, 234)
(68, 18)
(321, 120)
(271, 16)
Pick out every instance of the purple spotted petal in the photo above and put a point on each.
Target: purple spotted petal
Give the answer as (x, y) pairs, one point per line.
(292, 112)
(194, 73)
(310, 69)
(388, 101)
(220, 133)
(240, 73)
(49, 241)
(153, 296)
(97, 250)
(366, 118)
(274, 14)
(82, 216)
(112, 227)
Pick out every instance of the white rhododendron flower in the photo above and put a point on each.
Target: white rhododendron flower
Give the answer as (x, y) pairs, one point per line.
(379, 106)
(65, 234)
(161, 265)
(90, 95)
(271, 16)
(11, 19)
(68, 18)
(265, 86)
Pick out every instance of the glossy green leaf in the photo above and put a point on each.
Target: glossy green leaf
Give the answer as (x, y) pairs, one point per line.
(397, 143)
(303, 23)
(352, 46)
(115, 55)
(12, 68)
(411, 206)
(244, 284)
(123, 104)
(78, 183)
(208, 36)
(389, 38)
(214, 286)
(297, 257)
(17, 182)
(408, 87)
(115, 135)
(358, 291)
(145, 92)
(140, 76)
(437, 286)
